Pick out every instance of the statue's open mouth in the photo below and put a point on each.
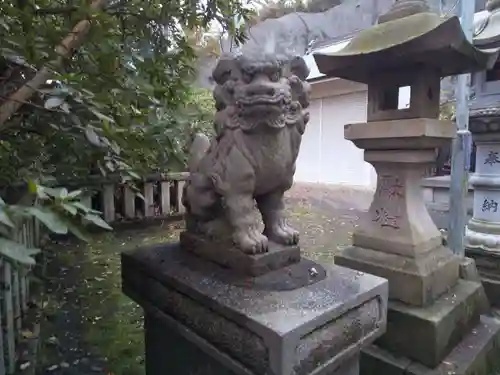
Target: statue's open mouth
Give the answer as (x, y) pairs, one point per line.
(262, 100)
(276, 124)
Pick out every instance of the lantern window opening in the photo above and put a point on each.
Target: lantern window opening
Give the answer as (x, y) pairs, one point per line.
(404, 97)
(395, 98)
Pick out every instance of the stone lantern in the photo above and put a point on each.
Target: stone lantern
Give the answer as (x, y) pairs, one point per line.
(434, 319)
(483, 230)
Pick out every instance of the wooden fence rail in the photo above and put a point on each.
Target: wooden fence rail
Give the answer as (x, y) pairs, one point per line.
(162, 195)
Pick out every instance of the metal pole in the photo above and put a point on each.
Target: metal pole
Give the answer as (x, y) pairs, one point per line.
(461, 150)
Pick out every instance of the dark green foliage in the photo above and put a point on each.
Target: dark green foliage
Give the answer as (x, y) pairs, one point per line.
(121, 100)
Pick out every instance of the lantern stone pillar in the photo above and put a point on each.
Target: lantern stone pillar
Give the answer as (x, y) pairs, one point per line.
(435, 323)
(483, 230)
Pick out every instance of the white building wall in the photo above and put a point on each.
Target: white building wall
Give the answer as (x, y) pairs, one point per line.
(325, 155)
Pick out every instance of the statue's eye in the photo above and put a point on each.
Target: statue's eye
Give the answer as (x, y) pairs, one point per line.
(225, 76)
(247, 77)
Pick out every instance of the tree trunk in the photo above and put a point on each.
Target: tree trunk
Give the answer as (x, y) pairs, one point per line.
(65, 50)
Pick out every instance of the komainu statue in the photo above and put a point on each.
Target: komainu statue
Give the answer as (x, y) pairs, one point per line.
(261, 116)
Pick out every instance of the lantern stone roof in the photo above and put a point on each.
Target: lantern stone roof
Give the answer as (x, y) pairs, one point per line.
(423, 38)
(336, 44)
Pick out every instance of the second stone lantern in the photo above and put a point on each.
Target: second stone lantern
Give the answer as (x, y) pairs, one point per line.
(434, 319)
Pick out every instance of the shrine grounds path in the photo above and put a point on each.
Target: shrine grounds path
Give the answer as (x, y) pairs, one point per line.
(90, 327)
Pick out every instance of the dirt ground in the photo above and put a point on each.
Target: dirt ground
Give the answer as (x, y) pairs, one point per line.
(326, 216)
(90, 327)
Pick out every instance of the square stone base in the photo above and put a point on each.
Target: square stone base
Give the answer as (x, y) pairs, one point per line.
(168, 351)
(227, 255)
(428, 334)
(415, 281)
(246, 325)
(477, 354)
(488, 266)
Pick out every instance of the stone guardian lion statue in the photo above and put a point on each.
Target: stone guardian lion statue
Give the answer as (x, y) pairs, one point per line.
(261, 104)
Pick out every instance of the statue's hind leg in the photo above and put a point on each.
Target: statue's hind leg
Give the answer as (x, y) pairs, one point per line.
(200, 201)
(200, 197)
(241, 212)
(276, 228)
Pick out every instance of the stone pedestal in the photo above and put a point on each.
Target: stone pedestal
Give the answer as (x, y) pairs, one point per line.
(203, 319)
(483, 230)
(431, 312)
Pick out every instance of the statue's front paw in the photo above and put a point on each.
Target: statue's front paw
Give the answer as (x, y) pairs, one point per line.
(251, 241)
(283, 234)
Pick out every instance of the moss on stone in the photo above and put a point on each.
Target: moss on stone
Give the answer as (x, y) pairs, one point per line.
(390, 34)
